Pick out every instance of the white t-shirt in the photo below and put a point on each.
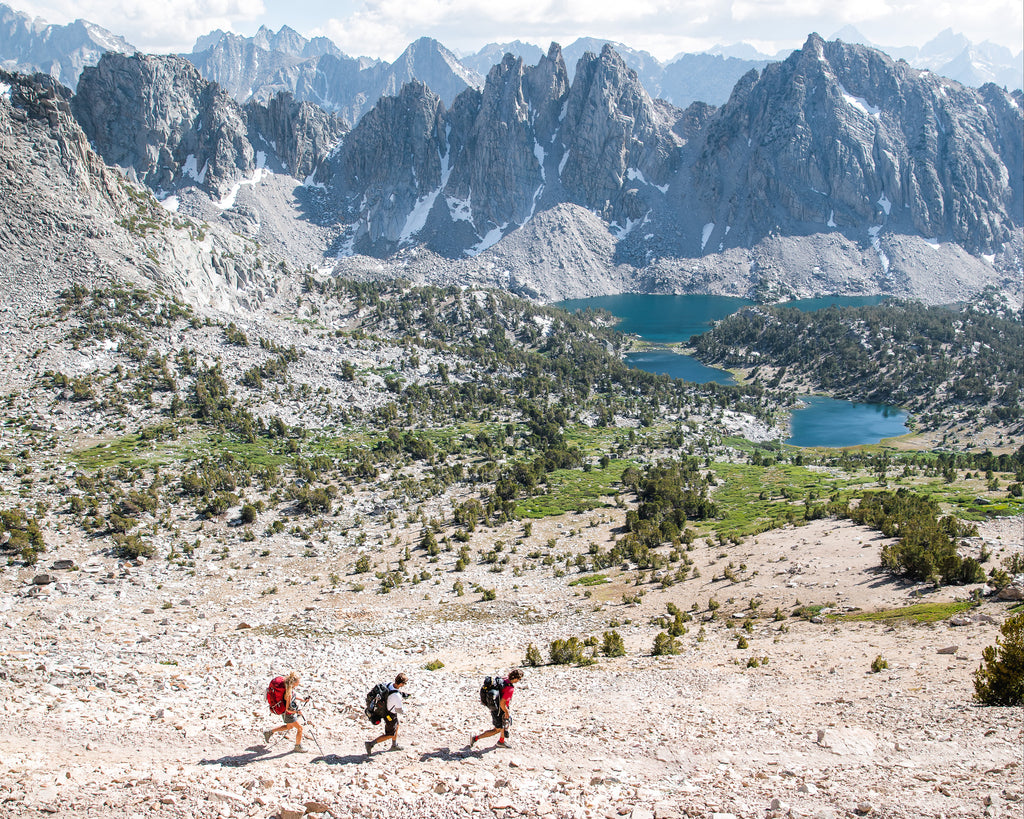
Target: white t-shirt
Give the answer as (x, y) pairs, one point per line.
(395, 700)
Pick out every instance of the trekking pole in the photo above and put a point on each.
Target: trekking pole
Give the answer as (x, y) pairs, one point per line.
(311, 734)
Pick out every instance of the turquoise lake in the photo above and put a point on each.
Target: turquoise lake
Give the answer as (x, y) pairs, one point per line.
(672, 319)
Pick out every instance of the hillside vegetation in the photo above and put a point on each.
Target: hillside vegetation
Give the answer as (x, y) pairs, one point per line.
(946, 365)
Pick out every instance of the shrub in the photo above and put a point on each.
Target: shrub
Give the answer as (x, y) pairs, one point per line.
(613, 645)
(564, 652)
(665, 644)
(248, 514)
(879, 664)
(742, 642)
(489, 594)
(129, 547)
(999, 680)
(434, 665)
(533, 656)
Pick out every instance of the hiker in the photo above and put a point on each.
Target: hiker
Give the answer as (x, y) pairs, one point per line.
(392, 707)
(501, 715)
(290, 711)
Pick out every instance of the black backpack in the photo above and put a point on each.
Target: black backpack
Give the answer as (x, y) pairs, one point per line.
(490, 691)
(377, 702)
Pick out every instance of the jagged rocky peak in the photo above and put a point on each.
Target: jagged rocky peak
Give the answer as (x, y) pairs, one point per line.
(299, 133)
(546, 86)
(498, 164)
(428, 61)
(840, 136)
(188, 132)
(389, 167)
(614, 136)
(158, 118)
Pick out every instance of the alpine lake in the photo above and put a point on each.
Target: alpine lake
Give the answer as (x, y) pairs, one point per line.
(664, 320)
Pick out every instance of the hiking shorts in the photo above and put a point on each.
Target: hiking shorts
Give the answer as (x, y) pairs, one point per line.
(499, 720)
(390, 725)
(289, 718)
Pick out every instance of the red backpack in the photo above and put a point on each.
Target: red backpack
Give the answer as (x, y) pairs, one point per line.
(275, 696)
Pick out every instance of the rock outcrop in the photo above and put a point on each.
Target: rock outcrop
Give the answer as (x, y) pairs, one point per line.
(189, 132)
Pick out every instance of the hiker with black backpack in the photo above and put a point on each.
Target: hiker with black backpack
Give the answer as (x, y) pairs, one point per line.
(496, 694)
(384, 702)
(282, 700)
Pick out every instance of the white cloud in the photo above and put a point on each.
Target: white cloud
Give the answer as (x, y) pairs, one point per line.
(382, 28)
(167, 25)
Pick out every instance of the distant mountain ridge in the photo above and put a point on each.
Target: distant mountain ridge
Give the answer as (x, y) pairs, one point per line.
(316, 70)
(256, 68)
(29, 45)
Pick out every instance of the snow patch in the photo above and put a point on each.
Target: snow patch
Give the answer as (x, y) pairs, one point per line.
(540, 153)
(561, 164)
(189, 169)
(877, 245)
(708, 228)
(417, 217)
(990, 258)
(861, 104)
(5, 91)
(492, 238)
(258, 175)
(636, 174)
(884, 203)
(170, 203)
(460, 210)
(933, 243)
(831, 219)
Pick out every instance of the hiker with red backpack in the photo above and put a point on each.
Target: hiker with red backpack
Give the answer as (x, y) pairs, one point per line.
(496, 694)
(384, 702)
(282, 700)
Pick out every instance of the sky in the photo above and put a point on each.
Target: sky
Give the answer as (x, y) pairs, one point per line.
(382, 28)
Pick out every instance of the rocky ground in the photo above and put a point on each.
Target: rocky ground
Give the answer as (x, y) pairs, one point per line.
(138, 688)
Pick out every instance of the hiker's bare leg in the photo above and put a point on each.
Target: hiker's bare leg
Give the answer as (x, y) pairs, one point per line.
(298, 733)
(491, 733)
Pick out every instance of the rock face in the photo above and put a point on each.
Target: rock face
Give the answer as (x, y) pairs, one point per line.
(841, 137)
(188, 132)
(70, 218)
(60, 51)
(836, 139)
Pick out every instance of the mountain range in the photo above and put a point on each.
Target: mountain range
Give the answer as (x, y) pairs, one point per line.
(837, 169)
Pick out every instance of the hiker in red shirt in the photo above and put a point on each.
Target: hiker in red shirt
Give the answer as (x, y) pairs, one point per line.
(290, 713)
(501, 716)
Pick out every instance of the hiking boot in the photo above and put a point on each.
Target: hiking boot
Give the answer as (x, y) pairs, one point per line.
(396, 747)
(472, 740)
(369, 747)
(502, 744)
(266, 737)
(300, 750)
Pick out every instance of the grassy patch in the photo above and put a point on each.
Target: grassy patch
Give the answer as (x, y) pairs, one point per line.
(128, 450)
(590, 580)
(918, 613)
(785, 488)
(573, 490)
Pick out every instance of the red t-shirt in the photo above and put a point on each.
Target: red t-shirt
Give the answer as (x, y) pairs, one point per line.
(506, 693)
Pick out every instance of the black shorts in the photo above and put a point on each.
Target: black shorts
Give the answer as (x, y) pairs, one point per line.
(390, 725)
(499, 720)
(289, 718)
